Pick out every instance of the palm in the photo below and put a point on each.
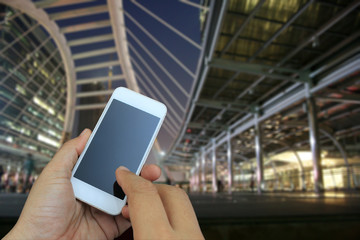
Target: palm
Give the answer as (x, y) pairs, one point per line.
(69, 218)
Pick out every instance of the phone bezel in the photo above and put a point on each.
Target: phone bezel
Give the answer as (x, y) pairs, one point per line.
(94, 196)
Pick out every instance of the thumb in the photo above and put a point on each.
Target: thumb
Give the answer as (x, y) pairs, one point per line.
(68, 154)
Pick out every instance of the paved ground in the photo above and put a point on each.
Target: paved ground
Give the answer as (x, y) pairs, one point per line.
(250, 205)
(242, 205)
(251, 216)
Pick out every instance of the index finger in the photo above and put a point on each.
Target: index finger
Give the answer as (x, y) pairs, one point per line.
(147, 213)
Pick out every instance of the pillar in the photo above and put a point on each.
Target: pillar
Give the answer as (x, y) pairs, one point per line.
(230, 162)
(314, 144)
(259, 154)
(214, 177)
(203, 170)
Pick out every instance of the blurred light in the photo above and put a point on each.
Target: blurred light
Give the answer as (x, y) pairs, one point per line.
(42, 104)
(20, 89)
(60, 117)
(162, 153)
(47, 140)
(9, 139)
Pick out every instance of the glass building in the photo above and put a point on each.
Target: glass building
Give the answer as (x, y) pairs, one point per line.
(33, 87)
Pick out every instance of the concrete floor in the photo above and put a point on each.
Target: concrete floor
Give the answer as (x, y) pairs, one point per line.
(332, 215)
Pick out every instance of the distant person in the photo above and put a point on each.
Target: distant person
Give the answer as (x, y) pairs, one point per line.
(220, 185)
(28, 169)
(252, 182)
(11, 187)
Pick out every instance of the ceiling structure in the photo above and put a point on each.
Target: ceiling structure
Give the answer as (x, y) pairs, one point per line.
(263, 60)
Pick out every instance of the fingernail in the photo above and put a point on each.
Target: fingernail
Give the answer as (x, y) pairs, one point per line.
(83, 132)
(123, 168)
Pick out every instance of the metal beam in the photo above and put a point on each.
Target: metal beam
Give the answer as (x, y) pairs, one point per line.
(325, 27)
(58, 3)
(255, 69)
(118, 27)
(89, 40)
(160, 45)
(90, 106)
(333, 50)
(280, 30)
(212, 126)
(156, 61)
(96, 66)
(231, 106)
(204, 8)
(85, 26)
(195, 138)
(169, 26)
(242, 27)
(157, 78)
(145, 84)
(93, 53)
(94, 93)
(344, 99)
(73, 13)
(211, 35)
(182, 146)
(100, 79)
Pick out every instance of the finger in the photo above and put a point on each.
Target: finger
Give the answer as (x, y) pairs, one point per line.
(178, 209)
(125, 212)
(151, 172)
(146, 211)
(68, 154)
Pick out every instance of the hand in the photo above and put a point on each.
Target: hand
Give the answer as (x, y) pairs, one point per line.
(157, 211)
(51, 210)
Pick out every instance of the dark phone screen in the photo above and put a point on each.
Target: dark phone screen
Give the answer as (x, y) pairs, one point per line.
(121, 140)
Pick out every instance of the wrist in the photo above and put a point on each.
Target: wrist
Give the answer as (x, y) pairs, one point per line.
(14, 234)
(18, 232)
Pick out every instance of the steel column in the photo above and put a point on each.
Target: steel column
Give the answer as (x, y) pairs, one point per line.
(259, 154)
(198, 177)
(203, 170)
(230, 162)
(314, 143)
(214, 174)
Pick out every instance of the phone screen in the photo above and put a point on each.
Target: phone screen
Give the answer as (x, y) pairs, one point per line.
(121, 140)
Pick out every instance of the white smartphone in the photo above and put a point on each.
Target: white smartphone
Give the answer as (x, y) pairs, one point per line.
(123, 136)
